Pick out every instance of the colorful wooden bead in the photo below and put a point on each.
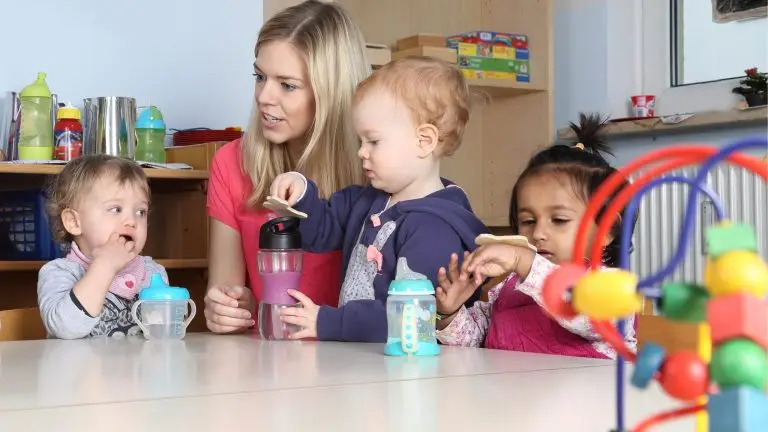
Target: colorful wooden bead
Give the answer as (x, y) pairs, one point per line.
(723, 238)
(684, 302)
(737, 271)
(607, 294)
(555, 287)
(739, 362)
(648, 363)
(738, 409)
(684, 376)
(739, 315)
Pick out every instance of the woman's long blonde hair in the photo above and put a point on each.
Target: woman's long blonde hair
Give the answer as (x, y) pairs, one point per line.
(334, 50)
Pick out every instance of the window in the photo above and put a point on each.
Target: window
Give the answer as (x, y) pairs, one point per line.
(714, 40)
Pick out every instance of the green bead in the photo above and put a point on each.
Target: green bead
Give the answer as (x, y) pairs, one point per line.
(726, 238)
(683, 302)
(739, 362)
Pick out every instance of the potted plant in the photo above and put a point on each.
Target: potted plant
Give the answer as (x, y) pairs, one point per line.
(754, 87)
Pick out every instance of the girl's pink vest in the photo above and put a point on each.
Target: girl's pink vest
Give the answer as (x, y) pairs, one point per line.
(518, 323)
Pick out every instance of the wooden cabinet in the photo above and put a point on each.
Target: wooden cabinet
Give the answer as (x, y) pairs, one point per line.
(177, 236)
(510, 121)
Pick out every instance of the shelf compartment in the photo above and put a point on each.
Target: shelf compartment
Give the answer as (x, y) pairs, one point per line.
(170, 264)
(153, 173)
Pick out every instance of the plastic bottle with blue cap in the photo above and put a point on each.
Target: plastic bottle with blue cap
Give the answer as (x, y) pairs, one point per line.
(164, 313)
(150, 136)
(411, 315)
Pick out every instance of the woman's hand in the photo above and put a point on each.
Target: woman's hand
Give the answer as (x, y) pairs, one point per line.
(455, 286)
(499, 259)
(229, 309)
(304, 316)
(288, 186)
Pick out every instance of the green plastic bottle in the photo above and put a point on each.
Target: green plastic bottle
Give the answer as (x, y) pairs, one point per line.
(36, 135)
(150, 136)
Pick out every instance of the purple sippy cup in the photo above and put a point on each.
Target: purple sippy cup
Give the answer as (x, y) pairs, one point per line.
(279, 261)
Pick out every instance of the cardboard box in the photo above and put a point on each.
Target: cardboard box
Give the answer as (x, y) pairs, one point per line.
(378, 55)
(443, 53)
(481, 74)
(492, 51)
(517, 41)
(494, 64)
(421, 40)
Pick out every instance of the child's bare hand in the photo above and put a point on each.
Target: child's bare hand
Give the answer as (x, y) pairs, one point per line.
(455, 286)
(499, 259)
(288, 186)
(116, 253)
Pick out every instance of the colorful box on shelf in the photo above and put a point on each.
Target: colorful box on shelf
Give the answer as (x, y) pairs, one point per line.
(489, 37)
(489, 68)
(492, 51)
(492, 55)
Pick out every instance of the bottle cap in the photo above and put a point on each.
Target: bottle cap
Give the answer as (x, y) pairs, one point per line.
(410, 287)
(39, 88)
(281, 233)
(150, 118)
(68, 112)
(158, 290)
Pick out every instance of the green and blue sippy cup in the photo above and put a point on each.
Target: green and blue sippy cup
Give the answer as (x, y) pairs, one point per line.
(411, 316)
(163, 312)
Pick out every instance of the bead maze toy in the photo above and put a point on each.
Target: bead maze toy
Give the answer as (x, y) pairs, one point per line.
(724, 382)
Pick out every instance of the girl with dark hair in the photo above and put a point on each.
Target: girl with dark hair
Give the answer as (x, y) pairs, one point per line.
(547, 204)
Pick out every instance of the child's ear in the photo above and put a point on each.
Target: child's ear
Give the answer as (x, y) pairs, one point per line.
(428, 136)
(71, 222)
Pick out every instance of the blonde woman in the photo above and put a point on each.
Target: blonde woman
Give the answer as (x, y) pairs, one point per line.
(309, 59)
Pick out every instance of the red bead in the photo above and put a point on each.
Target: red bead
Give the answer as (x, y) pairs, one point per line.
(684, 376)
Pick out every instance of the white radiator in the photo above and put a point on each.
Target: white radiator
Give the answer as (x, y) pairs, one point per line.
(745, 200)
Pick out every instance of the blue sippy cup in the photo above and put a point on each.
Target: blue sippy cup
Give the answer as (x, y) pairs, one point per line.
(163, 310)
(411, 316)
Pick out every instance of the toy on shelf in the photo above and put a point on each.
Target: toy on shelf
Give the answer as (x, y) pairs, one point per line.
(725, 379)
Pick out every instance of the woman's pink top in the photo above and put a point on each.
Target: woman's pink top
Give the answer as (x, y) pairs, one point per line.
(514, 319)
(228, 190)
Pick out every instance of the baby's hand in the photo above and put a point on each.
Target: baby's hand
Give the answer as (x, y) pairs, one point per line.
(498, 259)
(455, 287)
(289, 187)
(116, 253)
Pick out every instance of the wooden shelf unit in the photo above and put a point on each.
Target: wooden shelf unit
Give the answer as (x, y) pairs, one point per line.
(514, 122)
(177, 237)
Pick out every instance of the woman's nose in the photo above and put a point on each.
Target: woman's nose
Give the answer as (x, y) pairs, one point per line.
(265, 93)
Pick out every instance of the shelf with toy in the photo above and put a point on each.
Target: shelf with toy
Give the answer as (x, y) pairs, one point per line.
(55, 167)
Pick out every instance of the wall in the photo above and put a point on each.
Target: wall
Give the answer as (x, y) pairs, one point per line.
(192, 58)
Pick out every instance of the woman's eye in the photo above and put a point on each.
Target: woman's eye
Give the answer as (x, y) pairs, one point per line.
(259, 77)
(288, 87)
(527, 222)
(560, 221)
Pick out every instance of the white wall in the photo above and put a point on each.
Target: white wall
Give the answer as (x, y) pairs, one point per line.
(192, 58)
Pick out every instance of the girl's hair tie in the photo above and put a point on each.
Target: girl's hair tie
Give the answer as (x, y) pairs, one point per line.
(579, 146)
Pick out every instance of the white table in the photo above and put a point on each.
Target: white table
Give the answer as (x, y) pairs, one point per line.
(240, 383)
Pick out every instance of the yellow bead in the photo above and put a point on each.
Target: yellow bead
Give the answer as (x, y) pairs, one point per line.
(607, 294)
(737, 271)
